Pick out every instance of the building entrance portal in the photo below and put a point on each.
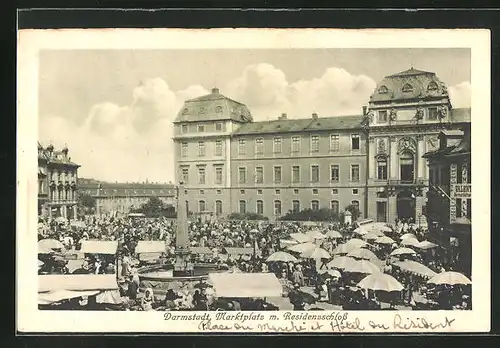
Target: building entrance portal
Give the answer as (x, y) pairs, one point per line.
(406, 205)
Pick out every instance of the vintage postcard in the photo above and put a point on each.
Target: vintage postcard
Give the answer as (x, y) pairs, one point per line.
(246, 180)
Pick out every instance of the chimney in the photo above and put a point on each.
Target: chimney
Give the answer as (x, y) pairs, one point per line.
(364, 109)
(315, 116)
(282, 117)
(215, 90)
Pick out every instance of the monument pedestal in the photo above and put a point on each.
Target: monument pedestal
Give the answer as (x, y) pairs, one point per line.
(182, 259)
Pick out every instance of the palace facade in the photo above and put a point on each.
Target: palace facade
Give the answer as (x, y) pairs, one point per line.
(57, 183)
(374, 160)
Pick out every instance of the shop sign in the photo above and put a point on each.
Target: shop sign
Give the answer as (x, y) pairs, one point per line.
(461, 191)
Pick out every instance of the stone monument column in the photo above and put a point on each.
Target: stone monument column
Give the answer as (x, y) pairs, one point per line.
(182, 250)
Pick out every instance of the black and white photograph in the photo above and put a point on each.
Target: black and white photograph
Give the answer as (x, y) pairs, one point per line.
(196, 180)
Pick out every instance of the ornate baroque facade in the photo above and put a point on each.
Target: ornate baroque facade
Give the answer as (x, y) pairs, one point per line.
(374, 160)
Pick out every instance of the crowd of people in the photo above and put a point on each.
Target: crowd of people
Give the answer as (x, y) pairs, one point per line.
(260, 240)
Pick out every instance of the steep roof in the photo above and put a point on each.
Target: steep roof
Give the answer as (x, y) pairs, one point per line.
(409, 84)
(300, 125)
(463, 147)
(213, 107)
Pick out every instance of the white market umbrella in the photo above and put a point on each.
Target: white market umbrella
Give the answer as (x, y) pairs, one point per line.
(363, 266)
(300, 237)
(317, 253)
(300, 248)
(315, 234)
(341, 262)
(384, 240)
(332, 272)
(288, 242)
(370, 236)
(45, 246)
(333, 234)
(450, 278)
(407, 235)
(363, 254)
(383, 228)
(416, 268)
(380, 282)
(424, 245)
(361, 230)
(403, 251)
(355, 242)
(343, 249)
(410, 241)
(254, 230)
(281, 256)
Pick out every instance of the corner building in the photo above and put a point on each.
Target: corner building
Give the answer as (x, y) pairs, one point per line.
(374, 160)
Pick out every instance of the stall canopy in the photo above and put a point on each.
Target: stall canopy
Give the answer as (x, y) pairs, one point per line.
(201, 250)
(416, 268)
(56, 288)
(239, 251)
(246, 285)
(99, 247)
(150, 246)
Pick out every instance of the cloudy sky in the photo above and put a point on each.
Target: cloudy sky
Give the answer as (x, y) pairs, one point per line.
(114, 108)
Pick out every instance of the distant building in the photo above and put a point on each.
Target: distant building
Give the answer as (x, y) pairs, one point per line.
(120, 198)
(57, 183)
(450, 194)
(372, 160)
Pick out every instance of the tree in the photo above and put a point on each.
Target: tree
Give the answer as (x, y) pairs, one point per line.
(153, 207)
(355, 213)
(86, 203)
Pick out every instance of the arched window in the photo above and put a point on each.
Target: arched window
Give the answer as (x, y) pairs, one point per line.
(407, 88)
(383, 90)
(218, 207)
(355, 204)
(315, 205)
(334, 206)
(260, 207)
(243, 207)
(407, 166)
(296, 206)
(201, 206)
(432, 86)
(381, 168)
(277, 207)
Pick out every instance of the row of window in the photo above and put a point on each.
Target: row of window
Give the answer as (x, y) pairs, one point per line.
(200, 128)
(432, 115)
(277, 145)
(259, 206)
(315, 191)
(58, 195)
(407, 88)
(62, 175)
(258, 175)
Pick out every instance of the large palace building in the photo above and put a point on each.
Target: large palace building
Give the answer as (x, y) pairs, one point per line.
(373, 160)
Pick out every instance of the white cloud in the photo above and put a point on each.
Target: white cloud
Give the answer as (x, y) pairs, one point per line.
(460, 95)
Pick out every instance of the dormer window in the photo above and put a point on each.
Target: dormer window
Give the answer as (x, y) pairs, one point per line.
(407, 88)
(185, 111)
(432, 86)
(383, 90)
(218, 109)
(202, 111)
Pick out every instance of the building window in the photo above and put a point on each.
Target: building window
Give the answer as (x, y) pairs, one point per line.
(242, 175)
(259, 175)
(469, 209)
(202, 192)
(242, 192)
(334, 206)
(277, 208)
(355, 142)
(184, 128)
(219, 192)
(201, 149)
(407, 88)
(218, 148)
(334, 172)
(185, 175)
(218, 175)
(243, 207)
(259, 146)
(315, 173)
(432, 86)
(382, 169)
(201, 128)
(201, 206)
(259, 192)
(354, 172)
(295, 174)
(382, 116)
(314, 143)
(260, 207)
(277, 145)
(433, 114)
(185, 192)
(335, 191)
(458, 203)
(277, 175)
(218, 126)
(218, 207)
(407, 166)
(334, 143)
(383, 90)
(355, 191)
(184, 149)
(277, 191)
(241, 147)
(356, 205)
(201, 176)
(295, 145)
(295, 191)
(315, 205)
(296, 206)
(315, 191)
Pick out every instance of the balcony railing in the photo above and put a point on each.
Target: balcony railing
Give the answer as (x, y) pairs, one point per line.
(414, 182)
